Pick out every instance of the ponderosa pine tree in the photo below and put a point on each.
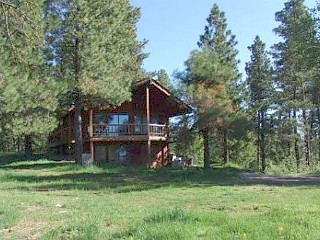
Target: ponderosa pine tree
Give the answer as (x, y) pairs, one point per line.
(95, 51)
(294, 60)
(260, 84)
(28, 93)
(315, 89)
(206, 76)
(212, 73)
(163, 78)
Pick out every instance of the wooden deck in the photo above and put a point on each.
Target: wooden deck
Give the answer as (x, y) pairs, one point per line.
(113, 132)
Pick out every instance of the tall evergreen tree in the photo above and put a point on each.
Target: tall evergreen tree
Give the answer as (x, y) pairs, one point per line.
(294, 59)
(212, 73)
(28, 93)
(206, 77)
(163, 78)
(316, 83)
(260, 83)
(94, 48)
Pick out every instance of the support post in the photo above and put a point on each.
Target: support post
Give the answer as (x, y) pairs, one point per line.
(162, 154)
(91, 134)
(148, 124)
(69, 133)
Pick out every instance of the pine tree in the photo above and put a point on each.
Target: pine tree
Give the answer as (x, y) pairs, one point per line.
(260, 83)
(163, 78)
(294, 67)
(206, 77)
(315, 87)
(95, 51)
(28, 93)
(212, 73)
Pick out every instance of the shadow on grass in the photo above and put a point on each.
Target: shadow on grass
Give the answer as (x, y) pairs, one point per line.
(8, 158)
(66, 176)
(20, 161)
(34, 165)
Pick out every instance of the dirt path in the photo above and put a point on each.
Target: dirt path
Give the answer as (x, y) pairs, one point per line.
(281, 180)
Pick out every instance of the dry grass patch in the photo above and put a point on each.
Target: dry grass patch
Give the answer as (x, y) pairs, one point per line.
(27, 229)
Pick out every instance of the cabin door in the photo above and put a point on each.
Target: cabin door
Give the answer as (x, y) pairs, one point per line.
(118, 154)
(123, 155)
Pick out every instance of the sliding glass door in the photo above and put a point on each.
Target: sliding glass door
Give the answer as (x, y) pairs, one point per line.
(111, 124)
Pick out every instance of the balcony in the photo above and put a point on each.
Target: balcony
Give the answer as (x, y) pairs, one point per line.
(112, 132)
(130, 132)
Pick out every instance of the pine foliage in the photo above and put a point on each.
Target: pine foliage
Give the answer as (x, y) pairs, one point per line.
(28, 92)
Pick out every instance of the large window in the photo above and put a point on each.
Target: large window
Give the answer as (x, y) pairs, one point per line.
(123, 119)
(111, 124)
(110, 119)
(111, 154)
(115, 123)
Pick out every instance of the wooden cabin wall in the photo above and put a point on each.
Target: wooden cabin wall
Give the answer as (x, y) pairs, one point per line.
(159, 112)
(137, 152)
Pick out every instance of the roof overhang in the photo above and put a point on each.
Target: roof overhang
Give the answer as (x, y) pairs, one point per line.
(179, 106)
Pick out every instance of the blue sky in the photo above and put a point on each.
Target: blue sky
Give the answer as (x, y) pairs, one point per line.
(173, 27)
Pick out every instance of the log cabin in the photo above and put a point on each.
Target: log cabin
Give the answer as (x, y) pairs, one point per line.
(135, 133)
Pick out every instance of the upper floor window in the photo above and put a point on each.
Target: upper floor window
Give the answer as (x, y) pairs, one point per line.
(99, 119)
(111, 119)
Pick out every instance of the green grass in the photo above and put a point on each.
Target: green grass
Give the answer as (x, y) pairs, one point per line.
(44, 199)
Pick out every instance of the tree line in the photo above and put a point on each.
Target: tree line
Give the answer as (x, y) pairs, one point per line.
(61, 53)
(271, 116)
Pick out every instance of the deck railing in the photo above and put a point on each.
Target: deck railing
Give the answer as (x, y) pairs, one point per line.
(66, 135)
(114, 130)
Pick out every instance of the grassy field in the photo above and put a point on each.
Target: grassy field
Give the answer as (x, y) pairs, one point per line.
(44, 199)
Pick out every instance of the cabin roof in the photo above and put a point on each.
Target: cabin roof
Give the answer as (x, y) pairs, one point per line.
(177, 106)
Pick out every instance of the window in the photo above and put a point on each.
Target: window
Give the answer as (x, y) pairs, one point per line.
(112, 119)
(99, 119)
(118, 154)
(110, 124)
(123, 119)
(115, 122)
(123, 155)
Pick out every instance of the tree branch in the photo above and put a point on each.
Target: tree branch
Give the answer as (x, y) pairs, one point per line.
(16, 8)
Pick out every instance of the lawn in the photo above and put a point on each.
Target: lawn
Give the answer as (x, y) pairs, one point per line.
(43, 199)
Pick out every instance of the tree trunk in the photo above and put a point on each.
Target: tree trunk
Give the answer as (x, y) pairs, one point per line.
(296, 142)
(289, 141)
(78, 133)
(318, 113)
(1, 143)
(262, 143)
(258, 141)
(310, 143)
(306, 130)
(28, 146)
(295, 132)
(78, 107)
(206, 149)
(306, 147)
(18, 145)
(225, 146)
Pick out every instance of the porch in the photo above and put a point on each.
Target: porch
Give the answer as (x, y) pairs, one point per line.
(112, 132)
